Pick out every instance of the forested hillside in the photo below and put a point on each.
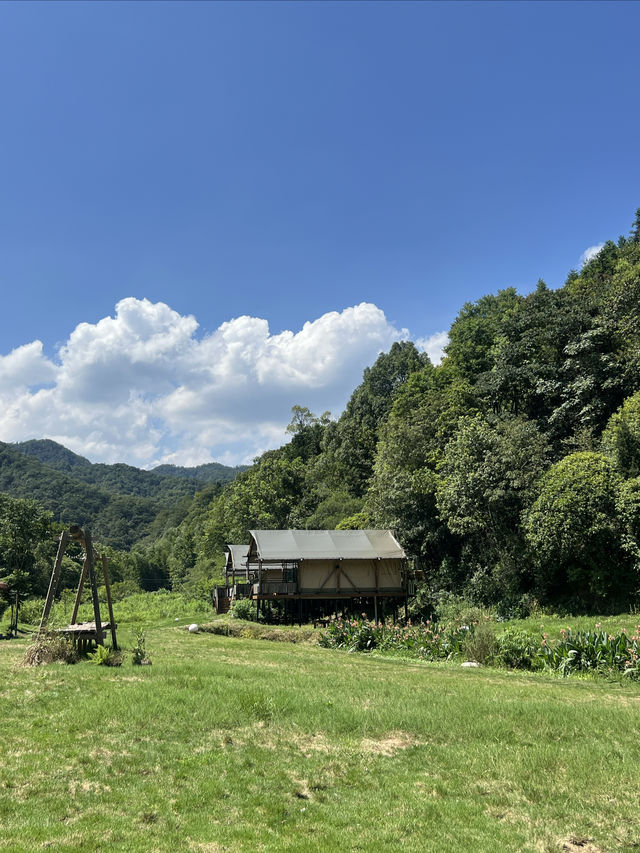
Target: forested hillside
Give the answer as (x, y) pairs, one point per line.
(122, 504)
(210, 472)
(511, 471)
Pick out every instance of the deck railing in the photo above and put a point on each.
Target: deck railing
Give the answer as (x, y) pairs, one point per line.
(271, 588)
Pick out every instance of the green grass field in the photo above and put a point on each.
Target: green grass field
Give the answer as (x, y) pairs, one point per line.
(243, 745)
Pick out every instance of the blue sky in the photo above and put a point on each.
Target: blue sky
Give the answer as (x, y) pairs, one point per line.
(285, 161)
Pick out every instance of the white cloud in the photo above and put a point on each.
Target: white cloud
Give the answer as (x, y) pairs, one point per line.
(25, 367)
(590, 253)
(142, 387)
(434, 346)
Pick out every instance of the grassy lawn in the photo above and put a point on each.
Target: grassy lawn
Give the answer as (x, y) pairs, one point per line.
(239, 744)
(552, 624)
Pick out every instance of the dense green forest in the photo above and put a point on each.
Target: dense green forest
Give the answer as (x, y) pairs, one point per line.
(511, 471)
(124, 505)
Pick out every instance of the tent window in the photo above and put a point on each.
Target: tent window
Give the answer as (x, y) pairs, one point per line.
(290, 571)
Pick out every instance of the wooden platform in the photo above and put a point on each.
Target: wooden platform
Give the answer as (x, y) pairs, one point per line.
(84, 634)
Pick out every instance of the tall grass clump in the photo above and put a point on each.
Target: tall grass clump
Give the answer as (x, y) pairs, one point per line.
(480, 643)
(50, 647)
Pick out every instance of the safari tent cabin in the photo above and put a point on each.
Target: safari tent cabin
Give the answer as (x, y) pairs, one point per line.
(236, 562)
(236, 579)
(324, 564)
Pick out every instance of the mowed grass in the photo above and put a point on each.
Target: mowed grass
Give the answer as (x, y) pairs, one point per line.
(244, 745)
(552, 624)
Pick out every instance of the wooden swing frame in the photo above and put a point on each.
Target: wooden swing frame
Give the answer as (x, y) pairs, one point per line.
(83, 634)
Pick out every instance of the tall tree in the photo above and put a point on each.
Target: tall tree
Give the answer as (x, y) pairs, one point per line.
(351, 445)
(579, 536)
(487, 475)
(23, 526)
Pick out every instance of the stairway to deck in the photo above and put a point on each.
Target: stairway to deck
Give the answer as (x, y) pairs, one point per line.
(224, 605)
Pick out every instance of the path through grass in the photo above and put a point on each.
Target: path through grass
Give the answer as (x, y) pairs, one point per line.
(228, 744)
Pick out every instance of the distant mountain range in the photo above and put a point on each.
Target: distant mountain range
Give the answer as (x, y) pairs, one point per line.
(123, 504)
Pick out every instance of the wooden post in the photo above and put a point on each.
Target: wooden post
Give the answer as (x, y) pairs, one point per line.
(375, 609)
(76, 603)
(53, 583)
(259, 605)
(94, 587)
(107, 587)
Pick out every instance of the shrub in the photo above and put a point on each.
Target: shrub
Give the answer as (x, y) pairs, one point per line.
(457, 609)
(480, 644)
(139, 652)
(517, 649)
(516, 607)
(50, 647)
(244, 609)
(31, 611)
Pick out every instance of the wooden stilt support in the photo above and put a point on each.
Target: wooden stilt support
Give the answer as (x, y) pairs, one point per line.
(55, 576)
(76, 604)
(94, 587)
(107, 587)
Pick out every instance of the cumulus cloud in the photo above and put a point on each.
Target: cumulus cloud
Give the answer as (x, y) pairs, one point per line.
(434, 346)
(143, 387)
(590, 253)
(25, 367)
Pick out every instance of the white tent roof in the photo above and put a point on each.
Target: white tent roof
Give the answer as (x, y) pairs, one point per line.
(280, 545)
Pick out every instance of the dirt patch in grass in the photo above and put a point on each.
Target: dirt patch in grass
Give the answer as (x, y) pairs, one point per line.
(309, 744)
(388, 745)
(87, 787)
(126, 678)
(302, 790)
(579, 845)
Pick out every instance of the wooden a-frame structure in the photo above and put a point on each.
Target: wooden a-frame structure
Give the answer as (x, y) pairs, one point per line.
(84, 634)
